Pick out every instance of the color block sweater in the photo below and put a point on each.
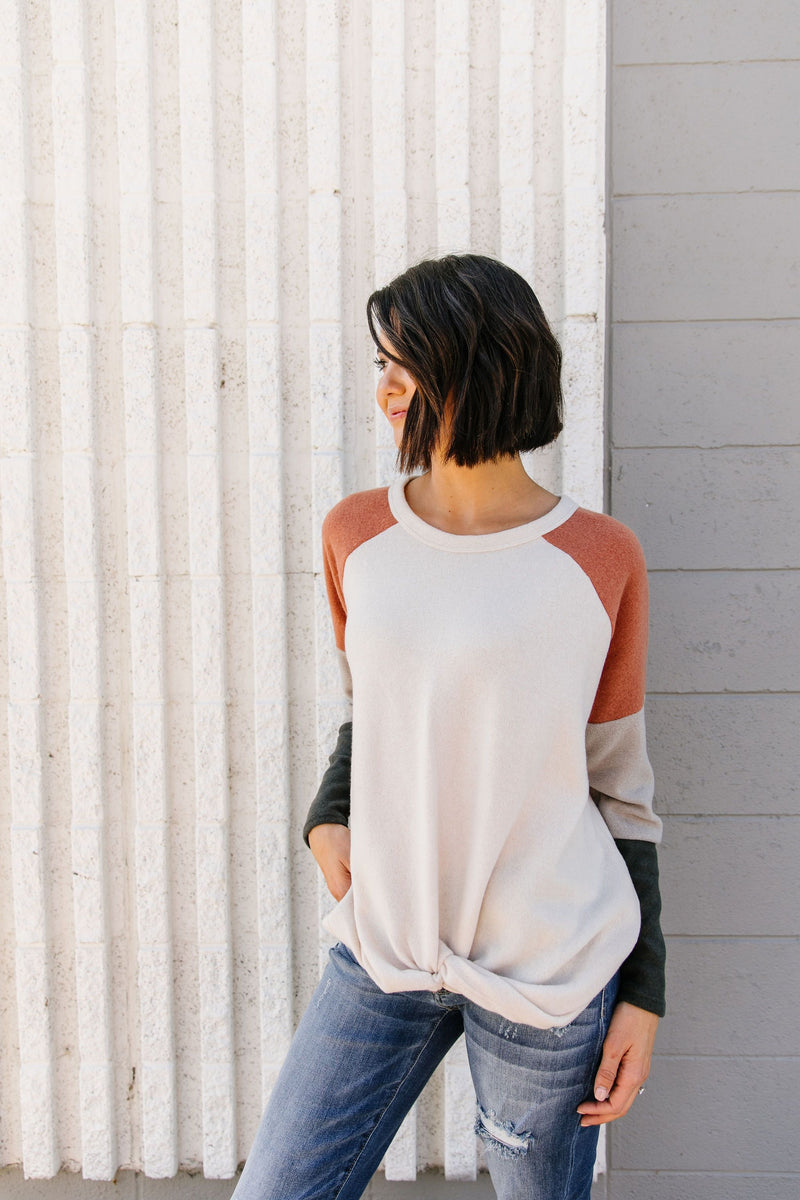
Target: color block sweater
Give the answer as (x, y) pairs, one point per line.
(498, 750)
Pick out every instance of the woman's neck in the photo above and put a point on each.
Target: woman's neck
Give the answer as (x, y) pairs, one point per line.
(486, 498)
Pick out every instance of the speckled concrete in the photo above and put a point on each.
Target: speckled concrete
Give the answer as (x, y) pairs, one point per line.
(197, 200)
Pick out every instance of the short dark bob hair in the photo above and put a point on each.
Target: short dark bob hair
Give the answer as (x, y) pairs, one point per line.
(470, 325)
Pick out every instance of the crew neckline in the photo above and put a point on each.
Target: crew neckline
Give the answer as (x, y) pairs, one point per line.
(500, 539)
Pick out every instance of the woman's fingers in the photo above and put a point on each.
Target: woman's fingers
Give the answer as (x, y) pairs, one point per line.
(330, 845)
(625, 1064)
(337, 878)
(621, 1096)
(606, 1075)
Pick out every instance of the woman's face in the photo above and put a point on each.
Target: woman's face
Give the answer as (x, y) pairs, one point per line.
(395, 389)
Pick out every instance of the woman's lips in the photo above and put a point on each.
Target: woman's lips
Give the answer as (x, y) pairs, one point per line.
(397, 412)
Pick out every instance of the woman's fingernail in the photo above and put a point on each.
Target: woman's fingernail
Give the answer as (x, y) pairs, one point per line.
(600, 1093)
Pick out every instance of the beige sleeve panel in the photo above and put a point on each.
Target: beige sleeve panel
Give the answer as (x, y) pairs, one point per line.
(621, 778)
(347, 678)
(620, 775)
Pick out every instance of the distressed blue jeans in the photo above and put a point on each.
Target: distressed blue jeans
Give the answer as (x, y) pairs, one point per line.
(361, 1057)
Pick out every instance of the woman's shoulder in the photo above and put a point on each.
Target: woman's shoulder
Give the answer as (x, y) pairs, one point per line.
(596, 537)
(356, 518)
(604, 525)
(358, 506)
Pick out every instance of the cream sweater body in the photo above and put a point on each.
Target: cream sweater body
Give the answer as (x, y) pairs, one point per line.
(494, 678)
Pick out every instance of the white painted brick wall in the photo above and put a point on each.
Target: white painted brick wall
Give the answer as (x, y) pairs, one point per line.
(197, 199)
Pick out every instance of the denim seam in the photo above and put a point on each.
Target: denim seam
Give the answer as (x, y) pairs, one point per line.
(598, 1049)
(385, 1109)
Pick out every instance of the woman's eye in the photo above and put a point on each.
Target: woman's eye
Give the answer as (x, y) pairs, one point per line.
(379, 362)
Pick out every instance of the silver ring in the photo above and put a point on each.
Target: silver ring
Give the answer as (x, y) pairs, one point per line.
(641, 1089)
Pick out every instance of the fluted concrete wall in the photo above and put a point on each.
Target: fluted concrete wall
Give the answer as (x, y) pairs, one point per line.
(197, 199)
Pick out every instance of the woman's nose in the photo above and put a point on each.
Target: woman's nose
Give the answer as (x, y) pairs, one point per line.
(392, 382)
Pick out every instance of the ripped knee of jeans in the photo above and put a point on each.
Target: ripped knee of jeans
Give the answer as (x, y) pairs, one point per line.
(500, 1137)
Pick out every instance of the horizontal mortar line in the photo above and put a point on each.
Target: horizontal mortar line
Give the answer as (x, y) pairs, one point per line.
(731, 1057)
(715, 446)
(726, 816)
(691, 321)
(670, 818)
(712, 1174)
(707, 62)
(734, 937)
(727, 692)
(739, 816)
(697, 194)
(722, 570)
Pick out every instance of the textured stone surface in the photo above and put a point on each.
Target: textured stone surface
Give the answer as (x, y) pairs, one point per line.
(739, 1007)
(723, 631)
(678, 257)
(732, 505)
(197, 201)
(681, 31)
(703, 1185)
(733, 1117)
(706, 383)
(710, 753)
(727, 875)
(704, 432)
(722, 127)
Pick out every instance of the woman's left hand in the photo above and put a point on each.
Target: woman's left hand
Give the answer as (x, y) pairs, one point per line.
(625, 1065)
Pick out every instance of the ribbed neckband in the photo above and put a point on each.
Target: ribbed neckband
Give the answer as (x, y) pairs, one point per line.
(472, 543)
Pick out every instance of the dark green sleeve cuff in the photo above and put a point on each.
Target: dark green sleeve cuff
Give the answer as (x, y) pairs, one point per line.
(331, 805)
(642, 975)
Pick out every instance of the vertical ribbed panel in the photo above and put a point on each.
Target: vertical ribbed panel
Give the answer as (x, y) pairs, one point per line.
(460, 1142)
(197, 199)
(583, 190)
(323, 133)
(73, 237)
(29, 848)
(516, 136)
(390, 215)
(264, 388)
(157, 1084)
(204, 481)
(453, 213)
(389, 199)
(452, 127)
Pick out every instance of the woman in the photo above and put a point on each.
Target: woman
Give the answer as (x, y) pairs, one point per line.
(499, 874)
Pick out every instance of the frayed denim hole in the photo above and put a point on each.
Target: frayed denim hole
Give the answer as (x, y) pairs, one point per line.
(507, 1031)
(500, 1137)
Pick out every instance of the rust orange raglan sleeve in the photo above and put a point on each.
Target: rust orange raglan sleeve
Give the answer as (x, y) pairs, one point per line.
(347, 526)
(620, 774)
(334, 529)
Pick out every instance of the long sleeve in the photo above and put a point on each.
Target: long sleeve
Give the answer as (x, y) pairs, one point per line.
(616, 751)
(331, 805)
(642, 975)
(621, 778)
